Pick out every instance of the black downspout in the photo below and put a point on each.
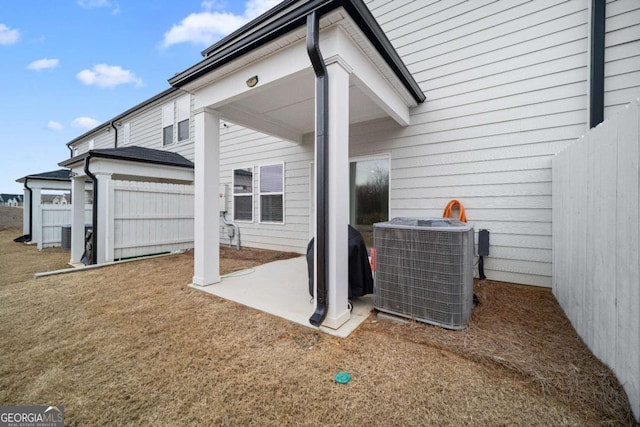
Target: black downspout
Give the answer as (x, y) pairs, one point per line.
(115, 141)
(322, 137)
(26, 185)
(70, 151)
(596, 91)
(94, 213)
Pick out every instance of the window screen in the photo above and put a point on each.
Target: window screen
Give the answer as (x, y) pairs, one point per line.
(243, 194)
(272, 193)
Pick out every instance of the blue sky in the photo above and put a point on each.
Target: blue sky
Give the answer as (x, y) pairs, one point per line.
(69, 65)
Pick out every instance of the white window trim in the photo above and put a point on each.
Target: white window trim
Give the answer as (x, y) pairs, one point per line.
(234, 194)
(260, 194)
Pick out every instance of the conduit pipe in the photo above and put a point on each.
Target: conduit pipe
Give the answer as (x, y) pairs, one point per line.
(322, 144)
(235, 227)
(94, 213)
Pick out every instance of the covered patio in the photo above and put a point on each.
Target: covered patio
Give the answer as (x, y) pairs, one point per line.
(304, 70)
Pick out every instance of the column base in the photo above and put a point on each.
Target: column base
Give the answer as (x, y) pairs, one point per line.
(199, 281)
(336, 322)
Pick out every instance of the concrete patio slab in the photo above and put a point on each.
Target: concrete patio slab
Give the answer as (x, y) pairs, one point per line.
(281, 288)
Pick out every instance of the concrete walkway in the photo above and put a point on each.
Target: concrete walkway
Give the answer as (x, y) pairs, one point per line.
(281, 288)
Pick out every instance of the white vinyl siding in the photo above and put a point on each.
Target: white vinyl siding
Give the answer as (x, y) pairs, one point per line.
(145, 129)
(240, 147)
(622, 55)
(506, 87)
(272, 193)
(126, 135)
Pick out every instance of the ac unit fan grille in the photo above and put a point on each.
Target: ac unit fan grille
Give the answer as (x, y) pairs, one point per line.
(424, 274)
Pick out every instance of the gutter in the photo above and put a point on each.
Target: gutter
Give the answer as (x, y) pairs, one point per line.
(94, 213)
(322, 144)
(596, 78)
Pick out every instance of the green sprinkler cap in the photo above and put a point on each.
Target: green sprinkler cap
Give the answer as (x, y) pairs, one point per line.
(342, 377)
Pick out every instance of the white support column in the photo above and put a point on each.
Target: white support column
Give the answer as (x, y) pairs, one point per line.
(338, 203)
(36, 219)
(105, 219)
(206, 263)
(77, 219)
(26, 205)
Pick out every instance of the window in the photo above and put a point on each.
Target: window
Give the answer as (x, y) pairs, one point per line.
(369, 199)
(176, 115)
(183, 108)
(272, 193)
(167, 135)
(243, 194)
(167, 124)
(183, 130)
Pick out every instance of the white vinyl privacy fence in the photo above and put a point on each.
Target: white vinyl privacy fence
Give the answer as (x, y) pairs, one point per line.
(596, 235)
(151, 218)
(48, 221)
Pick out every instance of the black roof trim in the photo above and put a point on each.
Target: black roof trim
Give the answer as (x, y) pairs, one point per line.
(129, 111)
(57, 175)
(134, 154)
(288, 22)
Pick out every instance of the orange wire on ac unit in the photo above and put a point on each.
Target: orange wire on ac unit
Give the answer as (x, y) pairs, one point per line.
(448, 211)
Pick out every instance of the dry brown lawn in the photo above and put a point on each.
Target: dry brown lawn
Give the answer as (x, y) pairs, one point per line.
(132, 344)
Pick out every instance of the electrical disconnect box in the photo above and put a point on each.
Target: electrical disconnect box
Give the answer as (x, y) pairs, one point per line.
(223, 198)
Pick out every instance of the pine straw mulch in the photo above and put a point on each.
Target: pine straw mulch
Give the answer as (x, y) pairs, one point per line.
(132, 344)
(523, 330)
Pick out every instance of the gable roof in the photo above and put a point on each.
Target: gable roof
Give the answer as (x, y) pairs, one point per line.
(134, 154)
(57, 175)
(286, 17)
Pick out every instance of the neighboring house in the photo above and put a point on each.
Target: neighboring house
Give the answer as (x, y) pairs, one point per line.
(139, 163)
(41, 225)
(55, 199)
(13, 200)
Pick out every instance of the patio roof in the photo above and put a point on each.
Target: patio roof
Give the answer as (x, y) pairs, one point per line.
(285, 18)
(57, 175)
(133, 154)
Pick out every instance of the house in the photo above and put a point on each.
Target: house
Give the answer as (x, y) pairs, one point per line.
(506, 87)
(315, 102)
(12, 200)
(142, 181)
(55, 199)
(42, 217)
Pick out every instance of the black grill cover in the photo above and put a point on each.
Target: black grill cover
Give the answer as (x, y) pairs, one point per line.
(360, 278)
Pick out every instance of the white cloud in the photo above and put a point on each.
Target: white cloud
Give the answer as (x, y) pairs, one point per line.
(8, 35)
(103, 75)
(84, 123)
(204, 28)
(42, 64)
(53, 125)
